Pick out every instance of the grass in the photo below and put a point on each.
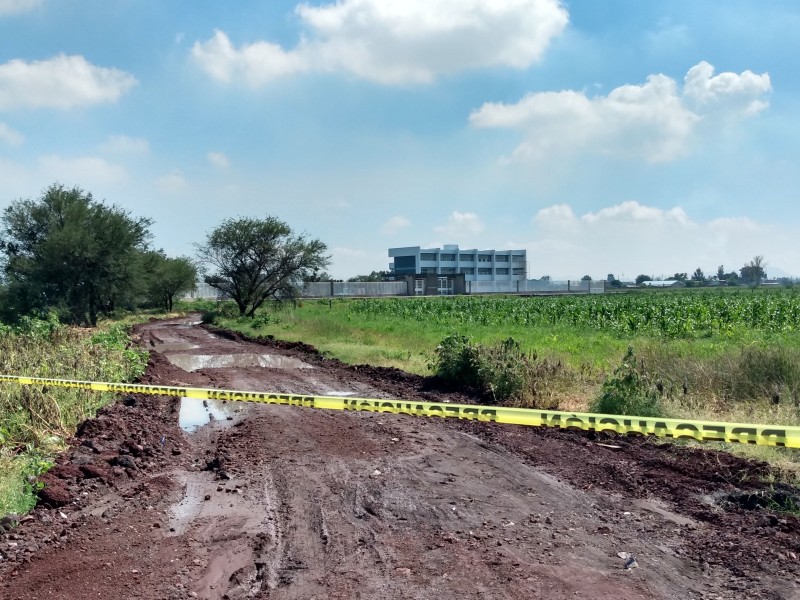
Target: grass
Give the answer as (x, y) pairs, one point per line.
(36, 421)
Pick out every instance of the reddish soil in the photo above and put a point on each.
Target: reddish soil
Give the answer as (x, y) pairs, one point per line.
(278, 502)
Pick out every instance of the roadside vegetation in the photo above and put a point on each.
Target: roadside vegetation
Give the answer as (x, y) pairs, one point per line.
(35, 422)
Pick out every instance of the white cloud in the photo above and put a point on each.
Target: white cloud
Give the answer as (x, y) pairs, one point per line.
(10, 136)
(654, 121)
(460, 227)
(11, 7)
(172, 183)
(733, 93)
(632, 238)
(218, 159)
(87, 172)
(123, 144)
(60, 82)
(390, 42)
(395, 225)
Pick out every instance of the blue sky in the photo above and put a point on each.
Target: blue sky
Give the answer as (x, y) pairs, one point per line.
(619, 137)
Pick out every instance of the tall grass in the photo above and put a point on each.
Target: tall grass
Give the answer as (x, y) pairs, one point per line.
(35, 421)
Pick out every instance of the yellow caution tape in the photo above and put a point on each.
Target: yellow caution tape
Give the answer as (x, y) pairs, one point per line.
(705, 431)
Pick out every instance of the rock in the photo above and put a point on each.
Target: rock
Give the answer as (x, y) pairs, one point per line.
(403, 571)
(125, 461)
(54, 494)
(93, 472)
(130, 401)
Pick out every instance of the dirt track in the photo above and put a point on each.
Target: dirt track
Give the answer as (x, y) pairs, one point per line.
(277, 502)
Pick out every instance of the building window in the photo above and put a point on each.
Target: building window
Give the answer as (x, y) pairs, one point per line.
(467, 270)
(518, 258)
(484, 271)
(447, 257)
(448, 270)
(519, 272)
(466, 257)
(501, 258)
(502, 271)
(428, 256)
(428, 270)
(484, 258)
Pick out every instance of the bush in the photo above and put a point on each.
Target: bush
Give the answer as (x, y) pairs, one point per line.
(629, 391)
(504, 373)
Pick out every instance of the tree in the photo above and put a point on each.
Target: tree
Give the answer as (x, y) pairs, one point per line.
(586, 278)
(698, 275)
(721, 273)
(253, 260)
(544, 278)
(680, 277)
(167, 277)
(70, 253)
(753, 272)
(373, 276)
(640, 279)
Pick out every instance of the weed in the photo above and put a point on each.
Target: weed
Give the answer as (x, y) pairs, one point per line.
(629, 391)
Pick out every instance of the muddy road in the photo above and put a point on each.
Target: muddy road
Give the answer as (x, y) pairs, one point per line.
(162, 498)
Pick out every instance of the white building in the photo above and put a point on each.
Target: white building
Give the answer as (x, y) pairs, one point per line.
(476, 265)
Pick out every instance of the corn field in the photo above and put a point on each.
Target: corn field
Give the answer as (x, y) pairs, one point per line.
(678, 314)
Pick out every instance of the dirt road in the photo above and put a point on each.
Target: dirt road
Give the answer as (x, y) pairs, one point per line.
(167, 498)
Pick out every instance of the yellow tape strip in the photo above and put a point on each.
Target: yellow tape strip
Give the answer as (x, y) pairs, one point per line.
(762, 435)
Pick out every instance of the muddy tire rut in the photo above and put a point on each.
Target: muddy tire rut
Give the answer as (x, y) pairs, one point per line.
(156, 499)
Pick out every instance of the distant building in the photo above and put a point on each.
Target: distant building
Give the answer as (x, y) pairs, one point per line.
(473, 264)
(674, 283)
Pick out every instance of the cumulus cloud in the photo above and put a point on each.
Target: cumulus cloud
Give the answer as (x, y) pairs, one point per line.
(655, 120)
(395, 225)
(218, 159)
(12, 7)
(460, 226)
(395, 43)
(10, 136)
(60, 82)
(88, 172)
(123, 144)
(631, 238)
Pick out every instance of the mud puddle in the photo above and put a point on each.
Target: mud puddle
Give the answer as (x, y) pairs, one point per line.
(195, 413)
(195, 362)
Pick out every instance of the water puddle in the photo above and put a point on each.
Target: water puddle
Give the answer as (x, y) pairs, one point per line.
(175, 347)
(193, 362)
(195, 413)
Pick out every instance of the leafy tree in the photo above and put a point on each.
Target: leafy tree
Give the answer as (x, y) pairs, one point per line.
(544, 278)
(586, 278)
(71, 253)
(253, 260)
(698, 275)
(680, 277)
(721, 273)
(373, 276)
(753, 272)
(167, 277)
(640, 279)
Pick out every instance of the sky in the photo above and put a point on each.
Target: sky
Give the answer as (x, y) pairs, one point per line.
(621, 136)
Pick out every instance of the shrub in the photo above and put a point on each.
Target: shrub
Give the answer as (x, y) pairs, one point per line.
(504, 373)
(629, 391)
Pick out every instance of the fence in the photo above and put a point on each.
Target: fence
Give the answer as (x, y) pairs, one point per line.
(368, 289)
(354, 289)
(535, 286)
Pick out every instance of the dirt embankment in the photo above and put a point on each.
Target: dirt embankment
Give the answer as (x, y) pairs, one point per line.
(163, 498)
